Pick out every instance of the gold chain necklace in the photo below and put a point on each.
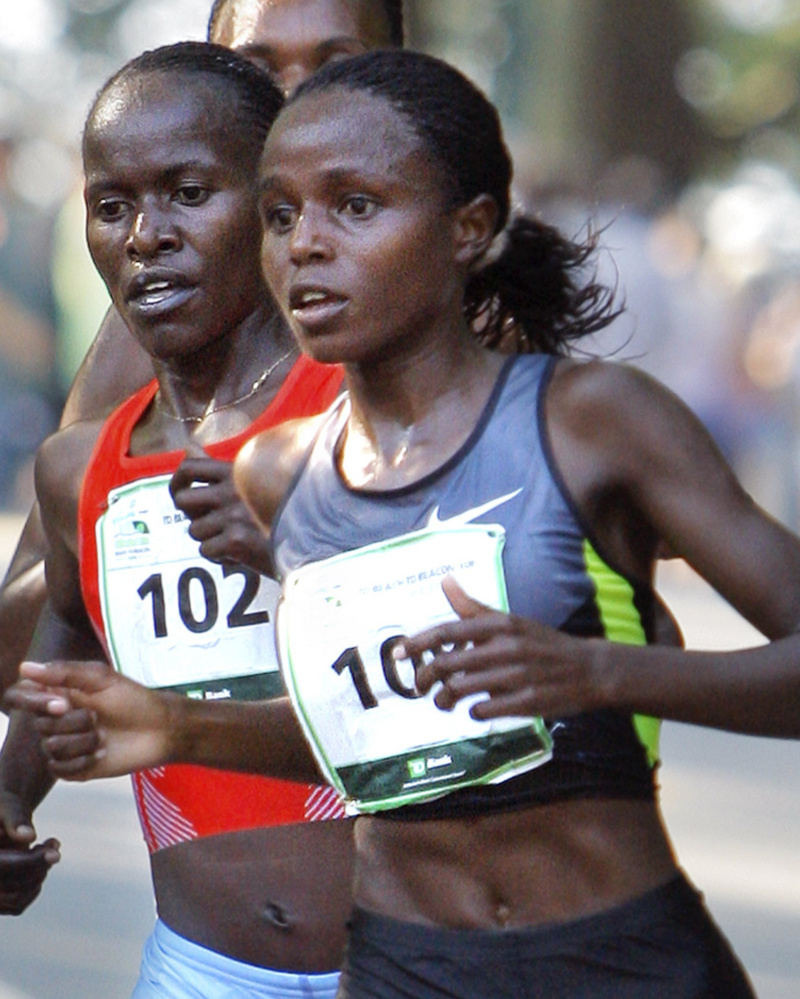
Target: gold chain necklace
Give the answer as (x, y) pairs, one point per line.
(211, 409)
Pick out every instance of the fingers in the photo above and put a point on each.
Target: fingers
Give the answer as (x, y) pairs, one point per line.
(14, 860)
(67, 679)
(78, 768)
(198, 471)
(16, 826)
(207, 526)
(77, 721)
(74, 737)
(26, 695)
(50, 851)
(454, 634)
(22, 873)
(462, 603)
(511, 704)
(220, 522)
(455, 646)
(456, 685)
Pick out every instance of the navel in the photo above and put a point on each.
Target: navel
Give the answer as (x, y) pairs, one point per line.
(502, 915)
(277, 916)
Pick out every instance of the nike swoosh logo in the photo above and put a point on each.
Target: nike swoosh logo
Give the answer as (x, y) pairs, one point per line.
(464, 518)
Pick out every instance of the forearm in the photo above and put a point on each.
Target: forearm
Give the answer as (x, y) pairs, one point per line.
(24, 769)
(21, 602)
(753, 691)
(22, 597)
(255, 737)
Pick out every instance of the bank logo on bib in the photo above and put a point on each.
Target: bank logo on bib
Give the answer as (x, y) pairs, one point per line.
(130, 532)
(416, 768)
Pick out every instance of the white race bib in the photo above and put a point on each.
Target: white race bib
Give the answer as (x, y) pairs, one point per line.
(173, 618)
(375, 738)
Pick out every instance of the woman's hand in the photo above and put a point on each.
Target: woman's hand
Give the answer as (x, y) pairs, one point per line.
(94, 722)
(525, 667)
(202, 488)
(23, 866)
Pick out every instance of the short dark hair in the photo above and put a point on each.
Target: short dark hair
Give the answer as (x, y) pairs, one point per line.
(257, 97)
(533, 289)
(392, 8)
(455, 121)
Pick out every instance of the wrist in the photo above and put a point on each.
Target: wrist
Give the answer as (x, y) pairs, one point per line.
(179, 733)
(605, 671)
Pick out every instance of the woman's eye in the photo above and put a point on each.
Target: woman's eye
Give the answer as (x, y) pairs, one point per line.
(109, 209)
(192, 195)
(279, 218)
(359, 206)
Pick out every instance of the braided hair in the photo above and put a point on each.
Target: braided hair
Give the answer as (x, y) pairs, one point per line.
(393, 9)
(256, 99)
(531, 291)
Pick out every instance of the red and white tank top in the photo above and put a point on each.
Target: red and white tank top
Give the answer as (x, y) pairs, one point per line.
(170, 618)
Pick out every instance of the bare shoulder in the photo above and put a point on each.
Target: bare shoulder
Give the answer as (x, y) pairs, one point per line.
(114, 368)
(267, 464)
(585, 391)
(632, 424)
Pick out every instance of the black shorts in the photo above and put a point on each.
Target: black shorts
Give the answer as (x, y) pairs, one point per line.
(663, 945)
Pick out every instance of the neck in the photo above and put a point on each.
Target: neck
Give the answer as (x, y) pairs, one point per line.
(230, 373)
(409, 416)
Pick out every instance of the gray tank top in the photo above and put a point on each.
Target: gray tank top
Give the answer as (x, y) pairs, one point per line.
(504, 473)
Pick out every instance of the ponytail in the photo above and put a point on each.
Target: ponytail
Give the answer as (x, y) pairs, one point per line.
(533, 295)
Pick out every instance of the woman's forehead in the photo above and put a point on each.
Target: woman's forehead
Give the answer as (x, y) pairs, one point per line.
(267, 22)
(166, 126)
(345, 118)
(180, 100)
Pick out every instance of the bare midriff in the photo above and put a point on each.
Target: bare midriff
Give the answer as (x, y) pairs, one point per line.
(548, 864)
(277, 897)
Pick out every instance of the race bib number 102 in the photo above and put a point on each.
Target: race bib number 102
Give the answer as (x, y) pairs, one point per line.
(376, 739)
(173, 618)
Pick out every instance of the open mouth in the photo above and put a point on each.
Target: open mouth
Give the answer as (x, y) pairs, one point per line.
(154, 295)
(315, 305)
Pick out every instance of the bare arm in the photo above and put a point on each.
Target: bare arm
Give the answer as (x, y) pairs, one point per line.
(25, 779)
(136, 727)
(62, 630)
(114, 368)
(265, 467)
(630, 453)
(22, 597)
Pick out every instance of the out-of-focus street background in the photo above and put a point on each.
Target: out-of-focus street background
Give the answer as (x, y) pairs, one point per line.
(672, 127)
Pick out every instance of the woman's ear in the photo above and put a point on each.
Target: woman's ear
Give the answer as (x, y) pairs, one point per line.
(474, 229)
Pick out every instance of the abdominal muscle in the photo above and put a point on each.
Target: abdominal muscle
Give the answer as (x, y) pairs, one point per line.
(552, 863)
(277, 897)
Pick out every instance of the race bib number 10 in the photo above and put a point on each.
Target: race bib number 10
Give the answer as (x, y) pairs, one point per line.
(376, 739)
(173, 618)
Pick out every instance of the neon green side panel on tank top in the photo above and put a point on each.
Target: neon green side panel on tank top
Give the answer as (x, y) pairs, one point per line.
(621, 623)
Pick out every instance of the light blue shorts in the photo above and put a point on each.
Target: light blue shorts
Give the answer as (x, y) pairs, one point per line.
(176, 968)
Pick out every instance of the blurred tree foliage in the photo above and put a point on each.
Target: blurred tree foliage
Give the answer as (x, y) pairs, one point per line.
(613, 90)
